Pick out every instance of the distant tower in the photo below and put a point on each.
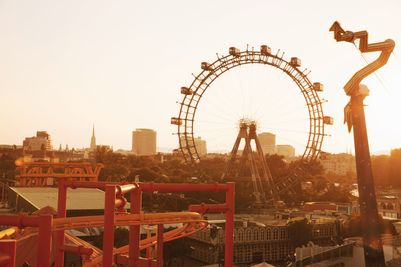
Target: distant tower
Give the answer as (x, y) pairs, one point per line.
(268, 143)
(144, 142)
(93, 140)
(200, 144)
(287, 151)
(41, 141)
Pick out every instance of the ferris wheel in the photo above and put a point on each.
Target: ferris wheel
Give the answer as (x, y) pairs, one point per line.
(190, 106)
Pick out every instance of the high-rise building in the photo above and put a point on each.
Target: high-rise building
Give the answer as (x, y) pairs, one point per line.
(144, 142)
(200, 144)
(268, 143)
(340, 164)
(287, 151)
(93, 140)
(41, 141)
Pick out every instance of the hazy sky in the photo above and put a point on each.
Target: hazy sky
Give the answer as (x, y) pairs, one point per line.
(66, 65)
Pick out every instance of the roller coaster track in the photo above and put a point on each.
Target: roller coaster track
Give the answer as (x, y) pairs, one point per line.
(192, 222)
(43, 238)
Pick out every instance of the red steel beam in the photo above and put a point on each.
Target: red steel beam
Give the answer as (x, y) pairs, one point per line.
(108, 234)
(87, 184)
(45, 240)
(211, 208)
(20, 220)
(182, 187)
(141, 262)
(61, 213)
(120, 188)
(151, 187)
(134, 231)
(80, 250)
(160, 230)
(8, 252)
(229, 238)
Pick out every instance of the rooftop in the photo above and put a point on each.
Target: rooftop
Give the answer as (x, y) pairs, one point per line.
(77, 199)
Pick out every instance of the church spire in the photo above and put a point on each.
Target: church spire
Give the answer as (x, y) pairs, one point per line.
(93, 139)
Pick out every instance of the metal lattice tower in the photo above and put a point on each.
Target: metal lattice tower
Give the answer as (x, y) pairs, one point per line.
(256, 162)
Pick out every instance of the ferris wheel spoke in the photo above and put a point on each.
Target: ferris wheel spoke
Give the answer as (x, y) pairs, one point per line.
(213, 122)
(219, 110)
(288, 130)
(292, 120)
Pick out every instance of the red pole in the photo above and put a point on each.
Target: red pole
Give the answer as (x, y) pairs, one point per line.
(61, 213)
(229, 242)
(45, 240)
(80, 250)
(20, 220)
(8, 252)
(160, 230)
(208, 208)
(134, 231)
(182, 187)
(108, 234)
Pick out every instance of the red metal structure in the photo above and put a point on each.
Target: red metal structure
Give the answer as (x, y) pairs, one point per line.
(39, 174)
(50, 231)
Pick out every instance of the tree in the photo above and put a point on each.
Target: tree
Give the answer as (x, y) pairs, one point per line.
(381, 170)
(353, 227)
(336, 194)
(300, 231)
(277, 165)
(7, 166)
(174, 250)
(145, 175)
(395, 167)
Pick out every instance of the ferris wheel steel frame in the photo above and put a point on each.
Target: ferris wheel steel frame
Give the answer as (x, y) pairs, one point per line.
(210, 72)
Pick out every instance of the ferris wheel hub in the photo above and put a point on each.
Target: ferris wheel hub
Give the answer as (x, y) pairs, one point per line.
(247, 122)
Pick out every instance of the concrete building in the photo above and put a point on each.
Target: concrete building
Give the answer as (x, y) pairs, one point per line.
(81, 201)
(351, 208)
(41, 141)
(254, 241)
(200, 146)
(349, 254)
(144, 142)
(389, 203)
(268, 143)
(340, 164)
(287, 151)
(389, 206)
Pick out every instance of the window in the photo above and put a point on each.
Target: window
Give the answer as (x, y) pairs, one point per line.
(275, 233)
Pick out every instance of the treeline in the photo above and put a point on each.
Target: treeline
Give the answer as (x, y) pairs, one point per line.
(172, 169)
(169, 168)
(7, 166)
(387, 169)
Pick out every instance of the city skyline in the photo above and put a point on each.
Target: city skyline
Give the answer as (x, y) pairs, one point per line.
(92, 144)
(83, 63)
